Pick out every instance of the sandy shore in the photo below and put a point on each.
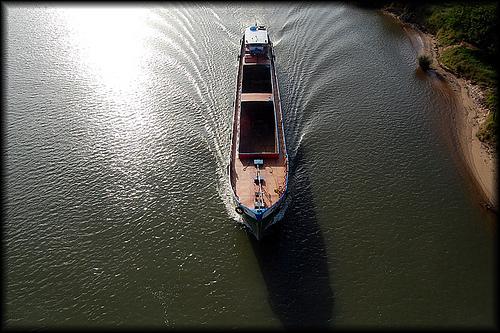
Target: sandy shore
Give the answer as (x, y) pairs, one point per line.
(480, 160)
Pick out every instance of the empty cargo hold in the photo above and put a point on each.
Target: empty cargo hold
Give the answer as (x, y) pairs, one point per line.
(257, 128)
(256, 79)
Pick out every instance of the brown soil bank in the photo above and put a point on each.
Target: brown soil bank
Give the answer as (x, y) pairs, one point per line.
(480, 160)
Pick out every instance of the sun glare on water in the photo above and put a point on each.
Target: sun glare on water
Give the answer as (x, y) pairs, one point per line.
(111, 41)
(109, 45)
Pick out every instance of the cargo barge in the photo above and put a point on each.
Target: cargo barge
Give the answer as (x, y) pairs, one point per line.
(258, 168)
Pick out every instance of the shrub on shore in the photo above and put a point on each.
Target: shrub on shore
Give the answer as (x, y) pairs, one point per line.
(491, 100)
(468, 63)
(467, 31)
(424, 61)
(474, 23)
(487, 131)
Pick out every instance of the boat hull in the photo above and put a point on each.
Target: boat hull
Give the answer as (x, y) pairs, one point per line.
(257, 223)
(259, 188)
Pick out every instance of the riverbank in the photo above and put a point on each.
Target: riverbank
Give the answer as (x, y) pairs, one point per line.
(479, 159)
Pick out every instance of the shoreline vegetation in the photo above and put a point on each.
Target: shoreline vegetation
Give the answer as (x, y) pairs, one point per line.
(458, 42)
(466, 38)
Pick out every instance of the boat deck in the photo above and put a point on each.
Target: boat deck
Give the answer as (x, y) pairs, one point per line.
(243, 170)
(256, 97)
(249, 59)
(273, 185)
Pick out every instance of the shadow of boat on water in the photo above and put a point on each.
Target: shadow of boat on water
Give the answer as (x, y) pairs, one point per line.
(293, 260)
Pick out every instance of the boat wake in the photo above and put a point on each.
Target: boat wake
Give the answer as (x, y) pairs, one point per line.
(203, 72)
(191, 53)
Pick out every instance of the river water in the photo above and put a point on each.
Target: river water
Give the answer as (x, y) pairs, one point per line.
(116, 202)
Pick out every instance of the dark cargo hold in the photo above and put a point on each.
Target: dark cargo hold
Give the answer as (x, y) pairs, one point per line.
(257, 128)
(256, 79)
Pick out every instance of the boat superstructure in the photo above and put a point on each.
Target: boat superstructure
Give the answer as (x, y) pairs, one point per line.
(258, 169)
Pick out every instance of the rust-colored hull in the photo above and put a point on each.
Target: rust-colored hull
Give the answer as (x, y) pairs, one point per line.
(242, 170)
